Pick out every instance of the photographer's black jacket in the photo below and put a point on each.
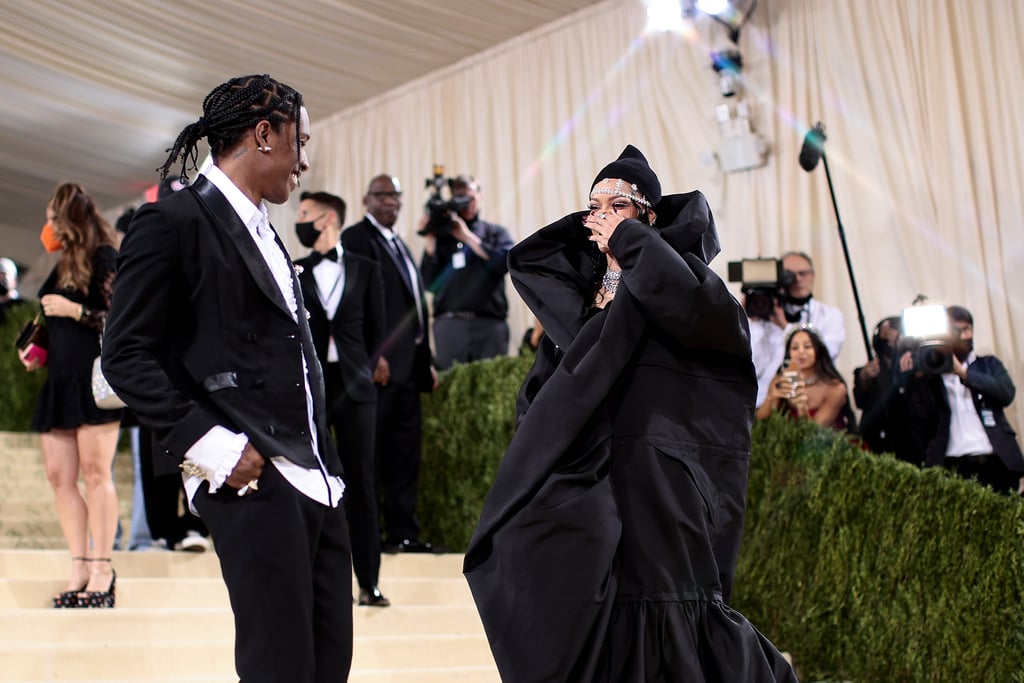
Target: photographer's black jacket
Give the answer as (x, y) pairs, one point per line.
(479, 287)
(927, 413)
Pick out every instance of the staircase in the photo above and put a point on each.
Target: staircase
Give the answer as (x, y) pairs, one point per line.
(173, 624)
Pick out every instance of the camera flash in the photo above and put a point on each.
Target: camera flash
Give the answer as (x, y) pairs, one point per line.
(925, 321)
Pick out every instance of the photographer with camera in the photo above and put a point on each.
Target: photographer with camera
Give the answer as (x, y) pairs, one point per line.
(464, 263)
(955, 418)
(874, 389)
(792, 306)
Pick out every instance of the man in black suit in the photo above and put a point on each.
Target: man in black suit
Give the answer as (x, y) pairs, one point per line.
(957, 419)
(345, 300)
(405, 368)
(208, 343)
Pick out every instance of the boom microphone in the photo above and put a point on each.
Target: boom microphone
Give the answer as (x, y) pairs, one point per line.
(813, 147)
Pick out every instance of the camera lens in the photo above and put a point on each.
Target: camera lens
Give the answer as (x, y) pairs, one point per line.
(933, 358)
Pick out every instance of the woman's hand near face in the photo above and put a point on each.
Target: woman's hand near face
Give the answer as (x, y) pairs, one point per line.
(601, 225)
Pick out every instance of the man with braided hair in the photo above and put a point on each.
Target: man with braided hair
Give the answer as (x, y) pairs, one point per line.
(208, 342)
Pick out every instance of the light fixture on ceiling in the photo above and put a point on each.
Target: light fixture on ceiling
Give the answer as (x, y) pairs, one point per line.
(732, 14)
(740, 148)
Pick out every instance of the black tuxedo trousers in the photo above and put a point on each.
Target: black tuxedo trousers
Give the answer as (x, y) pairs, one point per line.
(311, 639)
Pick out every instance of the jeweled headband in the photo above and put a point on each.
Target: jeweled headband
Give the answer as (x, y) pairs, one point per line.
(619, 192)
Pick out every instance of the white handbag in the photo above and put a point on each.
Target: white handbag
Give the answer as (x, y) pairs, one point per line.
(101, 392)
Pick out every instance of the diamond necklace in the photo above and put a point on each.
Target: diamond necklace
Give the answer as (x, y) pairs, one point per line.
(610, 280)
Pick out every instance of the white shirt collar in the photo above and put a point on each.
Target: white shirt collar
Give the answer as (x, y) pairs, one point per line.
(388, 233)
(252, 215)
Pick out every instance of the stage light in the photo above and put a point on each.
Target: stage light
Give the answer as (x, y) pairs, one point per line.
(712, 7)
(741, 148)
(664, 15)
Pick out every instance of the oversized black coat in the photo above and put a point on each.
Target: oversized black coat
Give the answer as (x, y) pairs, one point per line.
(608, 542)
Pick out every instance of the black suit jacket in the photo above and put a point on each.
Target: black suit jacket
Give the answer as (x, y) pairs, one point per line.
(408, 360)
(927, 412)
(358, 324)
(199, 335)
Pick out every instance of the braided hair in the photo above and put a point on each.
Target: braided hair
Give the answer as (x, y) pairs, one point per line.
(229, 111)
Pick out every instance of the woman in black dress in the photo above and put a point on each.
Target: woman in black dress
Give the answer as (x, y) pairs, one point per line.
(77, 437)
(607, 546)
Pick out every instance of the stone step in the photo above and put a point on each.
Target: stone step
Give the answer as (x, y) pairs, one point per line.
(32, 487)
(173, 624)
(127, 623)
(138, 659)
(11, 441)
(164, 593)
(36, 564)
(31, 525)
(14, 540)
(460, 674)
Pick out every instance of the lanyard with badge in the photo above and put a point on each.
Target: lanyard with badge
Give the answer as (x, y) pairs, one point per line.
(459, 257)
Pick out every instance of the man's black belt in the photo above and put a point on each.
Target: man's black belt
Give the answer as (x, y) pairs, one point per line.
(463, 315)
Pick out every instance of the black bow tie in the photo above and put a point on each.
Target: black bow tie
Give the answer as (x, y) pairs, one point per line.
(316, 257)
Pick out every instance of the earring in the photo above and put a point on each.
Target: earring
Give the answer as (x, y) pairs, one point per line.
(264, 149)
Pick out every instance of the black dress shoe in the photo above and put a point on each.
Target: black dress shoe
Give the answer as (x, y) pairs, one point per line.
(373, 598)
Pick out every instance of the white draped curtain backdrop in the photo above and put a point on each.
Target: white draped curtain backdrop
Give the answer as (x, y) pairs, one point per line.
(920, 100)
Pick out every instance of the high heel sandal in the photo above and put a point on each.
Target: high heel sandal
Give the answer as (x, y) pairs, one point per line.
(99, 598)
(69, 599)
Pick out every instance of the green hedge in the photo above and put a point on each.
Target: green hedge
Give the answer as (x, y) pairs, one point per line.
(467, 423)
(18, 389)
(862, 567)
(869, 569)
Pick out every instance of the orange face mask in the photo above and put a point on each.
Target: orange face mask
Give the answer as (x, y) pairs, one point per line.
(49, 238)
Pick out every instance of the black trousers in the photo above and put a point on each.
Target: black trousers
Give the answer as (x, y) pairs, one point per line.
(399, 452)
(167, 512)
(988, 469)
(286, 562)
(464, 340)
(354, 426)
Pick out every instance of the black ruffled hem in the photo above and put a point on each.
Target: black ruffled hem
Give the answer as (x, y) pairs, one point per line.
(69, 406)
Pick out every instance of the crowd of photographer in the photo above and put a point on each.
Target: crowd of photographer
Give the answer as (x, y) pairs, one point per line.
(925, 396)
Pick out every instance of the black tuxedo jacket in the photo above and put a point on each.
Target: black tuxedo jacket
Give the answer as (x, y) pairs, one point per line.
(199, 335)
(408, 360)
(358, 324)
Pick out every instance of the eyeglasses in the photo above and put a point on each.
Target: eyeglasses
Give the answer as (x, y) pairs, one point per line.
(385, 195)
(803, 273)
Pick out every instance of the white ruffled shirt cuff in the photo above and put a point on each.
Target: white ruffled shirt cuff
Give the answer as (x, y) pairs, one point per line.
(217, 453)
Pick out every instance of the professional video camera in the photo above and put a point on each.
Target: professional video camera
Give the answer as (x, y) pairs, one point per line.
(764, 284)
(439, 209)
(926, 335)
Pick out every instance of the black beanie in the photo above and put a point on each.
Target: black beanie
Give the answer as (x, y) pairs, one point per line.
(632, 167)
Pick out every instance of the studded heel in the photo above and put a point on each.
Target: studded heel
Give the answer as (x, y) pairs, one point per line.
(99, 598)
(69, 599)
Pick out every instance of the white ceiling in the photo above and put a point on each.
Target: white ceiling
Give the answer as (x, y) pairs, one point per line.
(96, 90)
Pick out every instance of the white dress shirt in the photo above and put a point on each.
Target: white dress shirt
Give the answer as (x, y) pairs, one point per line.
(966, 433)
(329, 276)
(220, 449)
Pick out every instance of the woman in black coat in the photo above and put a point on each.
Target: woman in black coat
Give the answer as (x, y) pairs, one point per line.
(607, 545)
